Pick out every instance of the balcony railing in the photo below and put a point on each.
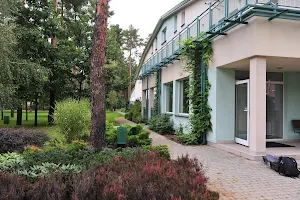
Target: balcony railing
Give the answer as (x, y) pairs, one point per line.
(220, 17)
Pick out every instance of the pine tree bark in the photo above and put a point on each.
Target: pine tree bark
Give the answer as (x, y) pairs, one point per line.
(26, 110)
(35, 111)
(12, 113)
(98, 77)
(19, 116)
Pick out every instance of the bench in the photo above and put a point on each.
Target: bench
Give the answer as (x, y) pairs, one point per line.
(296, 126)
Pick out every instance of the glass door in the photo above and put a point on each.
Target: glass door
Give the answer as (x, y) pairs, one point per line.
(242, 112)
(274, 110)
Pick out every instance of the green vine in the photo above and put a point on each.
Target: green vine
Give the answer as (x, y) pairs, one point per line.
(197, 56)
(156, 96)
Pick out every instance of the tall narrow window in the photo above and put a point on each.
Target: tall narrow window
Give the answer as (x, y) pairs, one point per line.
(183, 96)
(155, 43)
(175, 24)
(182, 18)
(169, 97)
(164, 35)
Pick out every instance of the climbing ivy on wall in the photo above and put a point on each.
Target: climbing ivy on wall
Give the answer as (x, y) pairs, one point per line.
(197, 56)
(156, 96)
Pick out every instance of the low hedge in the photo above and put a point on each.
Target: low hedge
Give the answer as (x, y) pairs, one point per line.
(141, 177)
(161, 124)
(16, 139)
(137, 136)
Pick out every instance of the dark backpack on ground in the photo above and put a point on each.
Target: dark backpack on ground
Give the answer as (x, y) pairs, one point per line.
(288, 167)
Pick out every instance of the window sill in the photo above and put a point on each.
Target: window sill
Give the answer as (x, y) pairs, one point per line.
(164, 42)
(169, 113)
(182, 115)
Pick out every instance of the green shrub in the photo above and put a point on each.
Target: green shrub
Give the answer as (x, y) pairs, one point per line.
(135, 113)
(111, 134)
(137, 136)
(161, 124)
(10, 162)
(188, 139)
(15, 140)
(73, 119)
(46, 169)
(74, 154)
(162, 150)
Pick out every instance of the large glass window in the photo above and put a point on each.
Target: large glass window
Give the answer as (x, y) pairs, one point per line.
(169, 97)
(183, 96)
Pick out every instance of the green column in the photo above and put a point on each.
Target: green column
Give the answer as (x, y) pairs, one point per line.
(227, 8)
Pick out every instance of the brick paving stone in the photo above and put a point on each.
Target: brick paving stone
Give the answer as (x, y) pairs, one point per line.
(232, 176)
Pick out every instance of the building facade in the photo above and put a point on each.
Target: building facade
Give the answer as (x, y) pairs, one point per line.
(254, 72)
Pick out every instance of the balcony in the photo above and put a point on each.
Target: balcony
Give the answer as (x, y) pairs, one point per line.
(219, 18)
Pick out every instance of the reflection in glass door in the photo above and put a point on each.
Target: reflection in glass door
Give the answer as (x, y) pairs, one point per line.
(274, 110)
(242, 112)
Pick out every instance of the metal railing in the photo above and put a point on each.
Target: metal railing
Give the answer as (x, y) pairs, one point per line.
(210, 18)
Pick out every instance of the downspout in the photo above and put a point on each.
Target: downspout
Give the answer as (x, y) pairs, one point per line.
(159, 92)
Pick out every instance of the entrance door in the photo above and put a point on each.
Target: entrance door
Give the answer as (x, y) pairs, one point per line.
(274, 110)
(242, 112)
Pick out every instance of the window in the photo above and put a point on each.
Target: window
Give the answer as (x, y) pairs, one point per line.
(182, 18)
(164, 35)
(155, 43)
(183, 96)
(175, 24)
(169, 97)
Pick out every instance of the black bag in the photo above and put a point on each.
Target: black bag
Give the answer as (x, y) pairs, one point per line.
(288, 167)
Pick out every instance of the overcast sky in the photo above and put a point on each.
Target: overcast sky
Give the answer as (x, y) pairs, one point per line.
(142, 14)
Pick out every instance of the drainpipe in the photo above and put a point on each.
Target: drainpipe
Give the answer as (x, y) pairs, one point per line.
(159, 92)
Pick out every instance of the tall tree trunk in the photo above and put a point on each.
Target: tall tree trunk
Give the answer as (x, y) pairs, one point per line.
(12, 113)
(2, 115)
(35, 111)
(52, 107)
(52, 91)
(19, 116)
(98, 77)
(26, 108)
(130, 74)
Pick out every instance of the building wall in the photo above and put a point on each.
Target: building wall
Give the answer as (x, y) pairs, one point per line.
(191, 12)
(291, 103)
(222, 102)
(260, 37)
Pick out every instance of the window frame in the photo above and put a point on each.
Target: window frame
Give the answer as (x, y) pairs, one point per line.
(182, 18)
(167, 86)
(180, 95)
(164, 35)
(175, 23)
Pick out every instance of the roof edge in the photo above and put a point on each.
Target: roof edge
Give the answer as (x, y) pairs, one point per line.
(160, 22)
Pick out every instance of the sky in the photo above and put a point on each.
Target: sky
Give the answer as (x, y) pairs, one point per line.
(142, 14)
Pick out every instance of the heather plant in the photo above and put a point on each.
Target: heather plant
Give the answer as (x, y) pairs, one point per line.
(16, 140)
(145, 176)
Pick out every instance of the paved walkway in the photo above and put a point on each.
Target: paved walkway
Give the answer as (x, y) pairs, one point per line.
(232, 176)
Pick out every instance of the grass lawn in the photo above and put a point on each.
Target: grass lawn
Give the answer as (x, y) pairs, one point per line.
(111, 116)
(52, 131)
